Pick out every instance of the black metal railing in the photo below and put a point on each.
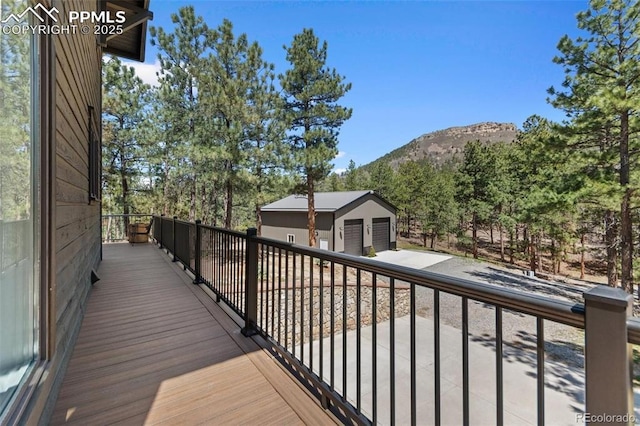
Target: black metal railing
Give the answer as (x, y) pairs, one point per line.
(115, 226)
(380, 343)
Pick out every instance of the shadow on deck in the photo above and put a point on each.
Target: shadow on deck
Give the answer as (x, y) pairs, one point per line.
(153, 348)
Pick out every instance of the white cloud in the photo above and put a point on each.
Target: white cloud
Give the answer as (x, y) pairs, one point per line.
(339, 171)
(341, 154)
(146, 72)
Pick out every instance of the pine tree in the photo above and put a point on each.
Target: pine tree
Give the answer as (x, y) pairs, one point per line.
(441, 209)
(474, 192)
(181, 55)
(410, 185)
(229, 76)
(311, 91)
(124, 99)
(602, 72)
(266, 152)
(381, 179)
(355, 178)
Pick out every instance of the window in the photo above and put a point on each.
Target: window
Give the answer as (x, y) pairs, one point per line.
(94, 158)
(19, 207)
(291, 238)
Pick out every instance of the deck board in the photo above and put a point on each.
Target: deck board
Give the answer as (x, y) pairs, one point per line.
(154, 349)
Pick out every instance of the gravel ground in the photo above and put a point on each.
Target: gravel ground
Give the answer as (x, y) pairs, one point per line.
(562, 343)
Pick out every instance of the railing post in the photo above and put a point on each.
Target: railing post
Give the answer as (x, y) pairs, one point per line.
(161, 226)
(173, 248)
(198, 279)
(608, 357)
(251, 284)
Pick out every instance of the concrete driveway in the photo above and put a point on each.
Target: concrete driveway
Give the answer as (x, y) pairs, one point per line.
(411, 258)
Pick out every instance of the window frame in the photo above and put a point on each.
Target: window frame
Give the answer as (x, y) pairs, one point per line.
(95, 166)
(44, 201)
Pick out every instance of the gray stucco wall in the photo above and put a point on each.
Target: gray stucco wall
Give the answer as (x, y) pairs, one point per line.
(366, 208)
(277, 225)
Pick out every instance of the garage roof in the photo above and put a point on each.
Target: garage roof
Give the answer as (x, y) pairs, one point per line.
(131, 43)
(324, 201)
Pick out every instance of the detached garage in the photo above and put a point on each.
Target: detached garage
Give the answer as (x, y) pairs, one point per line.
(349, 222)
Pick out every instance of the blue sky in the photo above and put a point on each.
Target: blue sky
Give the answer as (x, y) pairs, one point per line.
(415, 67)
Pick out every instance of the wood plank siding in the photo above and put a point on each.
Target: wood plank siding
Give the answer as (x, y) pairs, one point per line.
(76, 85)
(154, 348)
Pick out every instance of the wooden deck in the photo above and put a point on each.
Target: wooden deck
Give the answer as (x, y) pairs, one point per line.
(154, 348)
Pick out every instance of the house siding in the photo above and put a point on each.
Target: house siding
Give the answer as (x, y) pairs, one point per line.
(277, 225)
(365, 208)
(78, 65)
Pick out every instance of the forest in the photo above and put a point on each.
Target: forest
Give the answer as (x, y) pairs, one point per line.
(224, 132)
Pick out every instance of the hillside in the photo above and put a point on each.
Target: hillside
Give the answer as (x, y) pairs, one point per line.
(442, 145)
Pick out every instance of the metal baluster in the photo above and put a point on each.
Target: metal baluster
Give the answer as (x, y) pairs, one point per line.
(499, 372)
(332, 321)
(344, 332)
(358, 341)
(374, 347)
(465, 361)
(540, 359)
(412, 302)
(436, 355)
(392, 351)
(311, 313)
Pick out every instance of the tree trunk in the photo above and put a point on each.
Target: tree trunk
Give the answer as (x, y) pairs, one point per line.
(229, 203)
(203, 204)
(554, 256)
(511, 244)
(501, 243)
(433, 240)
(125, 196)
(532, 252)
(193, 198)
(474, 236)
(311, 213)
(165, 189)
(259, 199)
(611, 234)
(626, 226)
(258, 212)
(626, 242)
(582, 268)
(491, 233)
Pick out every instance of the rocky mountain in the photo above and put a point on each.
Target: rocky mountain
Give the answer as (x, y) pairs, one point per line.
(443, 145)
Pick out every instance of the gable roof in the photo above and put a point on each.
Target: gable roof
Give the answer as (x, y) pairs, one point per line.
(324, 201)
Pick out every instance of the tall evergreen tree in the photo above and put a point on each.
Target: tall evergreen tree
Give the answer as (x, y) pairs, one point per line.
(124, 100)
(440, 207)
(181, 55)
(230, 75)
(410, 186)
(381, 179)
(311, 91)
(265, 133)
(474, 189)
(355, 178)
(602, 76)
